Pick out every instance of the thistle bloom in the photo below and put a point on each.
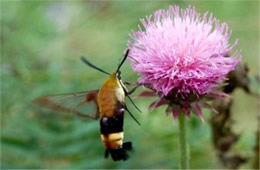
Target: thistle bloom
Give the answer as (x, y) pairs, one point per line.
(182, 56)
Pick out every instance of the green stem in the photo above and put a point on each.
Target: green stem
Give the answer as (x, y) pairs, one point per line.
(184, 156)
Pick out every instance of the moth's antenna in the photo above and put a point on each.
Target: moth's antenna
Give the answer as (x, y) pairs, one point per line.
(122, 62)
(92, 66)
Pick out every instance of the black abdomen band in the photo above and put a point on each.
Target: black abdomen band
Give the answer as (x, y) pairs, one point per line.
(110, 125)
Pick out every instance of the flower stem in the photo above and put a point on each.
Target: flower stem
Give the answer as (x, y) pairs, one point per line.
(184, 156)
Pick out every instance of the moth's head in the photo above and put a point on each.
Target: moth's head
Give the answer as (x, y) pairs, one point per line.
(118, 75)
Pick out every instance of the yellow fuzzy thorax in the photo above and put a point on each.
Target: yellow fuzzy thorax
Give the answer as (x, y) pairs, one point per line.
(110, 94)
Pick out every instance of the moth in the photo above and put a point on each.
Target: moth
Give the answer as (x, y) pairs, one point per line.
(110, 106)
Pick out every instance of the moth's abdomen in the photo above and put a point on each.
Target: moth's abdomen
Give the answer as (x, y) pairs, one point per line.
(112, 136)
(111, 128)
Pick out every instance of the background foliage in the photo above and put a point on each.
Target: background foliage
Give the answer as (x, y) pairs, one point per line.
(41, 42)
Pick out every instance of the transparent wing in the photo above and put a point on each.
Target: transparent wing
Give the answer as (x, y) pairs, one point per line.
(83, 104)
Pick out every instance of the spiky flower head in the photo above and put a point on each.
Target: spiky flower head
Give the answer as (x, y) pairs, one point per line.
(182, 54)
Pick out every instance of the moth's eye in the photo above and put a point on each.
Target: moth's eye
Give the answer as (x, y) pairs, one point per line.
(119, 75)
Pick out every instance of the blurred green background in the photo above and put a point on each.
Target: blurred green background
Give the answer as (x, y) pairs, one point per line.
(40, 47)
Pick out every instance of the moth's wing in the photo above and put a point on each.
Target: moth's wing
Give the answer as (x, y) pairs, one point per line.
(83, 104)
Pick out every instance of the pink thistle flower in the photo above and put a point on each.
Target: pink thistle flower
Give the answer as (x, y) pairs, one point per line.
(182, 56)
